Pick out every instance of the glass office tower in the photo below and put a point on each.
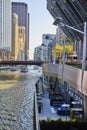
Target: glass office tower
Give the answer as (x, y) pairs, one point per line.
(21, 9)
(5, 25)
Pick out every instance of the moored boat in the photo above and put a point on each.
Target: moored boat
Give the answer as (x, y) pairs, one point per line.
(24, 69)
(13, 68)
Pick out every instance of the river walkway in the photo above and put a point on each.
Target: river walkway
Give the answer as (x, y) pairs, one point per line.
(47, 111)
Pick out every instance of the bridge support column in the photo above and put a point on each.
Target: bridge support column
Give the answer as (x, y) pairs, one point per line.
(85, 108)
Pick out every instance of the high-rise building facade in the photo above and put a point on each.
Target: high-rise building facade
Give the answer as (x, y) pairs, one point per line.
(21, 42)
(5, 25)
(47, 40)
(60, 36)
(37, 53)
(21, 9)
(14, 45)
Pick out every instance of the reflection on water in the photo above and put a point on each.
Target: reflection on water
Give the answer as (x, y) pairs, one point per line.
(16, 100)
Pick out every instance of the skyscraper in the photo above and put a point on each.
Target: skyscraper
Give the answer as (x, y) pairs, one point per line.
(21, 10)
(21, 42)
(14, 45)
(5, 25)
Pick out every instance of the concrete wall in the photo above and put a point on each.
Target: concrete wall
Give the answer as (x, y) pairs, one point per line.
(71, 75)
(36, 112)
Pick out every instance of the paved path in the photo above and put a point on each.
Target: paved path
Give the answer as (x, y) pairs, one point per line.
(47, 110)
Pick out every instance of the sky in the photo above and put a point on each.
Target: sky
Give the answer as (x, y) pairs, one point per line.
(41, 22)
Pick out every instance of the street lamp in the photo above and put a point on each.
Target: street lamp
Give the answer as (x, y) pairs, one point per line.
(63, 59)
(57, 21)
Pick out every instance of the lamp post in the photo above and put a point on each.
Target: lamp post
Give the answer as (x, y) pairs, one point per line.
(63, 59)
(54, 61)
(57, 21)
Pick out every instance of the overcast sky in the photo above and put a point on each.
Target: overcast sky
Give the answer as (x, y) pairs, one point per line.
(41, 22)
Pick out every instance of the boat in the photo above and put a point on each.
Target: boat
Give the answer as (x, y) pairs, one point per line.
(36, 70)
(24, 69)
(13, 68)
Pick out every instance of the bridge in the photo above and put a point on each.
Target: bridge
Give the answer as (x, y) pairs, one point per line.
(30, 62)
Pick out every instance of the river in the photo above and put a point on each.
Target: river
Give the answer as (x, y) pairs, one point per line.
(16, 100)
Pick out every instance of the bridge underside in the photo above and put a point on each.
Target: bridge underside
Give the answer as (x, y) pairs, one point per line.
(21, 63)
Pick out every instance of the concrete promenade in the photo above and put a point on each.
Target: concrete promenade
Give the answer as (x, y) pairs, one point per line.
(47, 111)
